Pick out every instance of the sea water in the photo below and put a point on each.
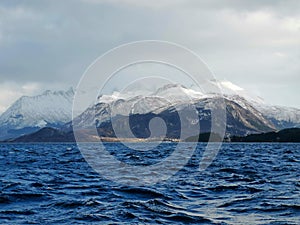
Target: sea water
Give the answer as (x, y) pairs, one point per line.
(255, 183)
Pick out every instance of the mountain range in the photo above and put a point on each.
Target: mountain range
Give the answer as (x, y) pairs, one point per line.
(245, 114)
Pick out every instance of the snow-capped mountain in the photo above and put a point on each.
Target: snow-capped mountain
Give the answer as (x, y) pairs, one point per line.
(128, 103)
(28, 114)
(245, 113)
(242, 117)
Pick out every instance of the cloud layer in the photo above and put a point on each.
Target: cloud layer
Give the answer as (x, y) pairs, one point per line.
(252, 43)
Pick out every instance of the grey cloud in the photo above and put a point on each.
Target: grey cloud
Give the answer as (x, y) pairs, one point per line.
(52, 42)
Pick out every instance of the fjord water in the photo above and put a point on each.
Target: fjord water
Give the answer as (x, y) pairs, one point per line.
(246, 184)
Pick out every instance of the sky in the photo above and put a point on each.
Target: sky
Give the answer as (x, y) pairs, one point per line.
(49, 44)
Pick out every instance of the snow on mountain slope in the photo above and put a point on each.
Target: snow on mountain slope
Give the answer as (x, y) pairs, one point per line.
(165, 100)
(165, 97)
(175, 94)
(229, 89)
(281, 116)
(50, 108)
(137, 102)
(143, 102)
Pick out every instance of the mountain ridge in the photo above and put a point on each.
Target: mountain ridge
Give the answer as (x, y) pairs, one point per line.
(244, 116)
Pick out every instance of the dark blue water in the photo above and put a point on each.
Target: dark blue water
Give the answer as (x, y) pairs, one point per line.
(246, 184)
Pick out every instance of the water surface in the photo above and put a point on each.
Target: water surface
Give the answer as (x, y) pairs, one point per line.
(246, 184)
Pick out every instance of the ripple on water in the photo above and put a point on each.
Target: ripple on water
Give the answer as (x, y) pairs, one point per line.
(52, 184)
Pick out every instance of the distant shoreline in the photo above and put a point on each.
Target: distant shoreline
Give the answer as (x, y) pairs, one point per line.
(50, 135)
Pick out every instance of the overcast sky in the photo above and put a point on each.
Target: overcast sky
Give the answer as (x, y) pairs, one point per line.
(49, 44)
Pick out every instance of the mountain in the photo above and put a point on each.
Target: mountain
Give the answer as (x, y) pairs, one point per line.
(132, 113)
(123, 104)
(175, 94)
(167, 102)
(239, 121)
(29, 114)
